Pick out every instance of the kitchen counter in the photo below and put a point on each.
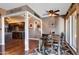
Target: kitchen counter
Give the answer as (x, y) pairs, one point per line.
(8, 36)
(18, 35)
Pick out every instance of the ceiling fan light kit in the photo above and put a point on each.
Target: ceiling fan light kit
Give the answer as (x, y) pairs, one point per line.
(51, 14)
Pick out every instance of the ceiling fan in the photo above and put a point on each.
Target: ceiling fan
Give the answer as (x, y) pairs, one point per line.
(52, 13)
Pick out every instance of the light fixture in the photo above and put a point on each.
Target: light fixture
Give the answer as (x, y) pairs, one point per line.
(50, 14)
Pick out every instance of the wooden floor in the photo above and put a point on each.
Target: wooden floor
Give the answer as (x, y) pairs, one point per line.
(14, 47)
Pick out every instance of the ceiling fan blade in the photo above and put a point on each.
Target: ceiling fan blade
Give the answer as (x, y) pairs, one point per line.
(47, 11)
(57, 11)
(56, 14)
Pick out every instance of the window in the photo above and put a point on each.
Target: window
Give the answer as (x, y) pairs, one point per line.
(71, 31)
(74, 32)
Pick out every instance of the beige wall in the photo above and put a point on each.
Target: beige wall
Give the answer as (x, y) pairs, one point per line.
(2, 11)
(34, 31)
(77, 7)
(47, 23)
(58, 25)
(78, 35)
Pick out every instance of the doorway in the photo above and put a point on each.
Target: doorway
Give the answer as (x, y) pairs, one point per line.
(14, 34)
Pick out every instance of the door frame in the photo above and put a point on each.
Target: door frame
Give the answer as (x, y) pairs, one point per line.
(3, 26)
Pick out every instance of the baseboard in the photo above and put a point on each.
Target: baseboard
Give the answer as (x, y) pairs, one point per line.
(26, 52)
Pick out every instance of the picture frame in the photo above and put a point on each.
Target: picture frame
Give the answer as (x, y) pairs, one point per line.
(30, 25)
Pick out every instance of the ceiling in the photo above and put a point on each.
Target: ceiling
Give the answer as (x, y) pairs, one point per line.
(39, 8)
(8, 6)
